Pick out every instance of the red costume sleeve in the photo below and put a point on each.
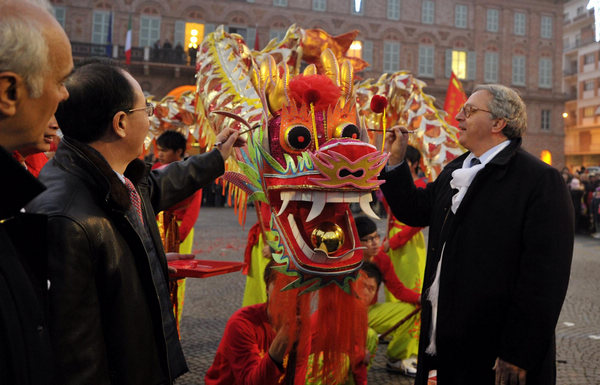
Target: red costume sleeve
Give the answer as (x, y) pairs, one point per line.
(242, 357)
(403, 236)
(189, 215)
(391, 281)
(253, 235)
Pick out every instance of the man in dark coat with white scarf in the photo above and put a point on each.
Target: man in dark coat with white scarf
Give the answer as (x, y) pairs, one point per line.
(499, 252)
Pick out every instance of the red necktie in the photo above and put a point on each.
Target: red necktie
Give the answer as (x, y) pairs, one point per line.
(136, 203)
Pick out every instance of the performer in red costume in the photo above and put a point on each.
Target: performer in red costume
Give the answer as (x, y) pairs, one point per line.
(252, 350)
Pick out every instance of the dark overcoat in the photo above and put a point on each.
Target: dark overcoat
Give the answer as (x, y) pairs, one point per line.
(506, 262)
(105, 312)
(25, 354)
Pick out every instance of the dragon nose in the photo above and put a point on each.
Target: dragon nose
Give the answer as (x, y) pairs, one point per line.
(346, 172)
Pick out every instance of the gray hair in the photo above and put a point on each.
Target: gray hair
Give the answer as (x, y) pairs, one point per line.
(23, 48)
(507, 104)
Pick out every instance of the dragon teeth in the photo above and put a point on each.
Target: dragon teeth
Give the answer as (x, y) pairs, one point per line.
(365, 199)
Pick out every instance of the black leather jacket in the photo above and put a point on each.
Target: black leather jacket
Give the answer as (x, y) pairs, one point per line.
(25, 355)
(104, 305)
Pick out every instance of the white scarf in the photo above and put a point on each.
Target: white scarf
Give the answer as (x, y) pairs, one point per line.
(461, 180)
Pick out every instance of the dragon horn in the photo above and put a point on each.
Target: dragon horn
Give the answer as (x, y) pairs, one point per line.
(330, 65)
(346, 82)
(310, 70)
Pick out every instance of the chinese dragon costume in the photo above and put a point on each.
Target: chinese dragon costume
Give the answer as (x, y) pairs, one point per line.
(308, 157)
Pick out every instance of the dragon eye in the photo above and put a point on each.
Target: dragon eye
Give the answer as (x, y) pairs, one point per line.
(347, 131)
(298, 137)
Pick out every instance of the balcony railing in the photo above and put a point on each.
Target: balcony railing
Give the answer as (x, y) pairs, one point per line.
(138, 54)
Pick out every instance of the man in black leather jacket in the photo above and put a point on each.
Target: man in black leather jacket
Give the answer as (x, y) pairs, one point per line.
(111, 321)
(35, 57)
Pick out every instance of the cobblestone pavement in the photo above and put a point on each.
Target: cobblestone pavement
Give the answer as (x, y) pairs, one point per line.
(210, 302)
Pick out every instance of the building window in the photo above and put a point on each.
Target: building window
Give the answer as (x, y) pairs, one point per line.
(320, 5)
(367, 52)
(355, 49)
(519, 24)
(460, 16)
(462, 63)
(100, 22)
(426, 53)
(490, 72)
(589, 58)
(393, 9)
(491, 24)
(59, 15)
(545, 80)
(358, 7)
(459, 64)
(546, 27)
(179, 33)
(280, 3)
(589, 112)
(588, 85)
(391, 56)
(518, 70)
(149, 30)
(546, 120)
(428, 12)
(277, 33)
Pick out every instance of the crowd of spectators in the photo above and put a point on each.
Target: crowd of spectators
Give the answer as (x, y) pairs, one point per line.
(584, 185)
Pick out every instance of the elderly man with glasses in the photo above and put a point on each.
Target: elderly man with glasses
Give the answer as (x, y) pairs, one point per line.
(111, 320)
(499, 252)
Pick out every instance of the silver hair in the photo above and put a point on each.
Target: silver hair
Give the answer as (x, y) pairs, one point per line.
(507, 104)
(23, 48)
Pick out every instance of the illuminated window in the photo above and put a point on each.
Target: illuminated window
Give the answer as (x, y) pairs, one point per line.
(459, 64)
(355, 49)
(358, 7)
(589, 112)
(546, 157)
(194, 33)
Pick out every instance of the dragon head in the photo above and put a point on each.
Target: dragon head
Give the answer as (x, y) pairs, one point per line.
(313, 165)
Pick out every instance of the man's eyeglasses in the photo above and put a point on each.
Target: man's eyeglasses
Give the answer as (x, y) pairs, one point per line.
(370, 238)
(469, 110)
(149, 108)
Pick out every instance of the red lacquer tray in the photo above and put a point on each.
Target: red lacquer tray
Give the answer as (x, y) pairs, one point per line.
(203, 268)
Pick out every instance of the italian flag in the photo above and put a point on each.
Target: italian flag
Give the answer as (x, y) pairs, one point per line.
(128, 43)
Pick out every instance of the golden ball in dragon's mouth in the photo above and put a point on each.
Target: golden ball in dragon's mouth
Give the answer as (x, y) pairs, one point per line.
(328, 237)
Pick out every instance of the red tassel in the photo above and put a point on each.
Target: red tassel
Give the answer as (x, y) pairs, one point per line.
(378, 103)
